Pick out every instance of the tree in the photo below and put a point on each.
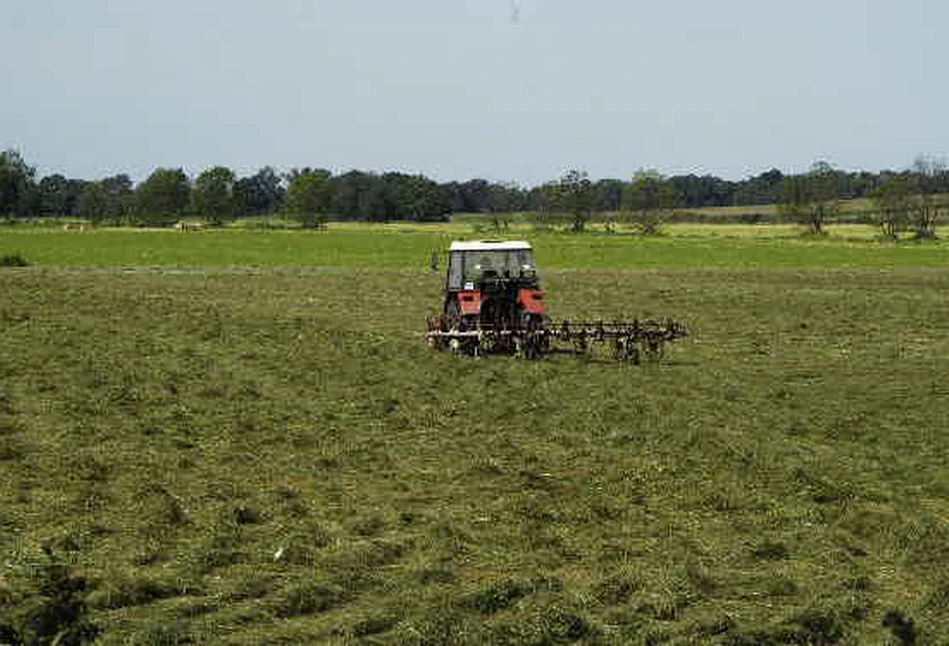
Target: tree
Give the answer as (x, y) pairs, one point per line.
(795, 202)
(893, 200)
(824, 183)
(928, 204)
(359, 196)
(650, 199)
(811, 199)
(472, 196)
(505, 197)
(695, 192)
(54, 195)
(164, 196)
(119, 196)
(765, 188)
(414, 197)
(213, 194)
(16, 181)
(541, 201)
(309, 196)
(575, 195)
(261, 193)
(93, 201)
(609, 195)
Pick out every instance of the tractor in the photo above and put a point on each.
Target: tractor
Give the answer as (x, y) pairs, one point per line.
(493, 303)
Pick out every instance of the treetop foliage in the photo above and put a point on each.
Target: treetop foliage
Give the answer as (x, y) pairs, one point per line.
(315, 195)
(649, 197)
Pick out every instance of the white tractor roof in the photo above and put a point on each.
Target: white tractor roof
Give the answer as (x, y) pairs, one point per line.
(489, 245)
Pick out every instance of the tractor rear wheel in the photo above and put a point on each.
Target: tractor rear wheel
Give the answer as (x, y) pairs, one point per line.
(455, 321)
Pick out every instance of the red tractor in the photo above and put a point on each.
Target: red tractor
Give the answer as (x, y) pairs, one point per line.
(494, 303)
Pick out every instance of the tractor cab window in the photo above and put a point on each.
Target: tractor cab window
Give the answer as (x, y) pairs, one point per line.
(471, 267)
(456, 270)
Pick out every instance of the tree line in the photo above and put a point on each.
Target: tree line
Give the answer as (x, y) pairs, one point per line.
(167, 195)
(315, 195)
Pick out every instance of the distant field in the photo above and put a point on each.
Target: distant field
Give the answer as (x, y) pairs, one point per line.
(861, 210)
(239, 438)
(856, 207)
(410, 245)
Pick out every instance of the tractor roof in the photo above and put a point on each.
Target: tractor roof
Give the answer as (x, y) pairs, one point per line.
(489, 245)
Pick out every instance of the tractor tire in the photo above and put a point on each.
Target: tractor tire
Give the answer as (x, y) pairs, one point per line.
(456, 322)
(453, 316)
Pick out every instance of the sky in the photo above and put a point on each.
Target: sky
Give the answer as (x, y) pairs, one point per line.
(457, 89)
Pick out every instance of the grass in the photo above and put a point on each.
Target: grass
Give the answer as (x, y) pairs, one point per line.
(239, 438)
(407, 245)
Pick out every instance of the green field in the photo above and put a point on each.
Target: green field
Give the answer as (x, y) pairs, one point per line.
(238, 437)
(685, 246)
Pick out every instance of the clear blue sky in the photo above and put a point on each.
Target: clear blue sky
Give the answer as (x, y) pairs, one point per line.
(458, 89)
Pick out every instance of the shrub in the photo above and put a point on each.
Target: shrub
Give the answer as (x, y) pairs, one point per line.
(13, 260)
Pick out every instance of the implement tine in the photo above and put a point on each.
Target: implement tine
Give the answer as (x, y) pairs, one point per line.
(630, 339)
(565, 329)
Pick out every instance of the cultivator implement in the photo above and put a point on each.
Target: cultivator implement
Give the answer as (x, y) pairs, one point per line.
(627, 340)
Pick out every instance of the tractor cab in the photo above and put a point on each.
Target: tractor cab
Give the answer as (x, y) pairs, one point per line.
(472, 264)
(492, 285)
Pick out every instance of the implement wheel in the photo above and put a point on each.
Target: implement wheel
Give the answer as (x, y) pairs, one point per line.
(632, 351)
(437, 324)
(533, 341)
